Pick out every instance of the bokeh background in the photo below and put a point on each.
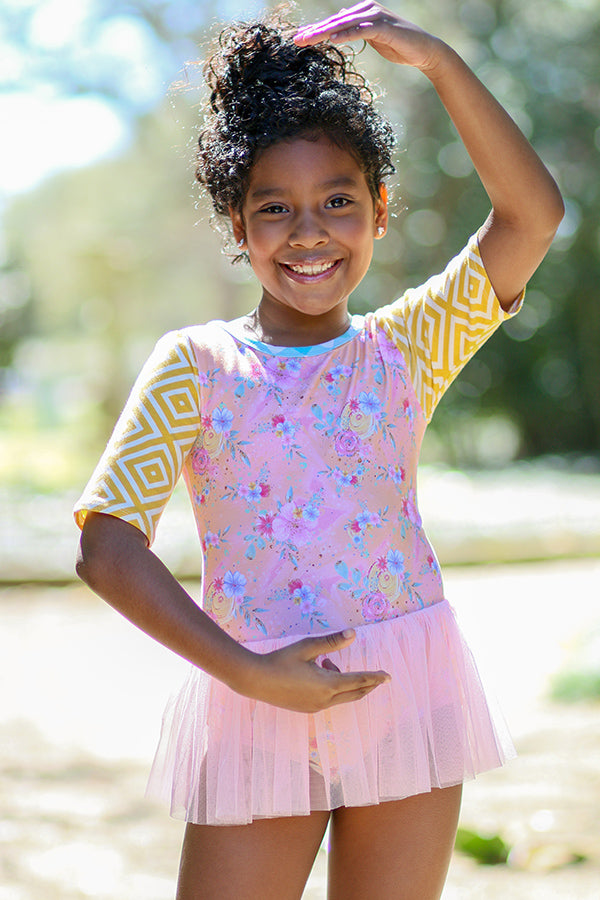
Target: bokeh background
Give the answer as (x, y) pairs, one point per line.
(106, 243)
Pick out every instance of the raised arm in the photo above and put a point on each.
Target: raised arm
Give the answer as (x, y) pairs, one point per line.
(526, 204)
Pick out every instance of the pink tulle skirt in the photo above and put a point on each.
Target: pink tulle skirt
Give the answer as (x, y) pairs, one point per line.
(223, 759)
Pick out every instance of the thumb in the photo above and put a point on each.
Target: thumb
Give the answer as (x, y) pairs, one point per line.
(326, 643)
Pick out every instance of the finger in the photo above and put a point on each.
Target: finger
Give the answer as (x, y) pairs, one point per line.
(345, 19)
(356, 694)
(365, 31)
(337, 23)
(351, 696)
(350, 682)
(365, 679)
(312, 647)
(327, 664)
(344, 11)
(342, 20)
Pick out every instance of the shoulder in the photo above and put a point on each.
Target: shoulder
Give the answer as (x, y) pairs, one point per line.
(462, 288)
(467, 260)
(193, 342)
(192, 336)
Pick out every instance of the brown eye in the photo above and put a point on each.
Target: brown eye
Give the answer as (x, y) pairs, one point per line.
(338, 202)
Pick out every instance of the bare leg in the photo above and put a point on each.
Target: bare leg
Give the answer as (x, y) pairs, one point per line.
(270, 859)
(399, 850)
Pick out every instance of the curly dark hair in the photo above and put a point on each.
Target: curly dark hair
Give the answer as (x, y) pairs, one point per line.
(264, 88)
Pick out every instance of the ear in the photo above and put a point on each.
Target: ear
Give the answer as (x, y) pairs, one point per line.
(238, 228)
(381, 212)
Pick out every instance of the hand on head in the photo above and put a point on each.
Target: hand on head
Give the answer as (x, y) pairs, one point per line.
(392, 37)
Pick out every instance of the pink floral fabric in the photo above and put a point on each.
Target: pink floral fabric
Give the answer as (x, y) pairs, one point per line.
(300, 462)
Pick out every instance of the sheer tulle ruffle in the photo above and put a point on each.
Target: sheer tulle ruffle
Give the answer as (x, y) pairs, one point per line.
(224, 759)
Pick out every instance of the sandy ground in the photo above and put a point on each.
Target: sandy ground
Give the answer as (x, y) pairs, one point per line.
(82, 694)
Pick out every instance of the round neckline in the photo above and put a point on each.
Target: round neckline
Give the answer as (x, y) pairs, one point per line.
(356, 323)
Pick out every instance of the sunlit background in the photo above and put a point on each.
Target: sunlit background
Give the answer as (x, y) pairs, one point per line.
(101, 253)
(106, 243)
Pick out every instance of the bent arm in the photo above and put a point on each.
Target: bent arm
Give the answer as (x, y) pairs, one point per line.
(116, 563)
(526, 204)
(114, 560)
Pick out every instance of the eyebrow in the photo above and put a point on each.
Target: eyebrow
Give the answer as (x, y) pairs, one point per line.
(341, 181)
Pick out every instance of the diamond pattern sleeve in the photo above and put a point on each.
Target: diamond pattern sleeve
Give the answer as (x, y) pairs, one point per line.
(146, 452)
(439, 326)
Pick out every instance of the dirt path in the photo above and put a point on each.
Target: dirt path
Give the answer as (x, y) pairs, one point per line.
(82, 695)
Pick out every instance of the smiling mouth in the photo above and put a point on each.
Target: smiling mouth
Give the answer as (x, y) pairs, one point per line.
(311, 270)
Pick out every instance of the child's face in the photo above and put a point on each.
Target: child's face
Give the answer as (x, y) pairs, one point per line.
(308, 223)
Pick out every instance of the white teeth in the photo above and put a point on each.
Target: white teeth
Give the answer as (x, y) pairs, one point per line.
(312, 268)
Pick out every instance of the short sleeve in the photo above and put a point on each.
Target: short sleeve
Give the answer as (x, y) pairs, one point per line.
(439, 326)
(145, 454)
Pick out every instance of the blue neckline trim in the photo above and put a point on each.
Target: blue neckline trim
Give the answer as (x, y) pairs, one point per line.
(354, 328)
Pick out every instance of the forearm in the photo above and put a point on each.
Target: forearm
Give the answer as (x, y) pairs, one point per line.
(521, 190)
(526, 204)
(116, 564)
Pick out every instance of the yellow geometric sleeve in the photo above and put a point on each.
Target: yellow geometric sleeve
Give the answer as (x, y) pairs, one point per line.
(145, 454)
(439, 326)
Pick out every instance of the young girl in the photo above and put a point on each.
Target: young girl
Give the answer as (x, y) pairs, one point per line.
(329, 681)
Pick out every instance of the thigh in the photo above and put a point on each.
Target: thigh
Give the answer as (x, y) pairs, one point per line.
(270, 859)
(401, 849)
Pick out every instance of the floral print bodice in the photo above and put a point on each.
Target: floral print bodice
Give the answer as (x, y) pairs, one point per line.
(300, 463)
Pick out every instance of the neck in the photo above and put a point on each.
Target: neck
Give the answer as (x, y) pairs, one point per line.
(297, 329)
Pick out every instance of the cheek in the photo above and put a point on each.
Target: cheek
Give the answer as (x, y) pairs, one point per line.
(262, 239)
(362, 240)
(359, 233)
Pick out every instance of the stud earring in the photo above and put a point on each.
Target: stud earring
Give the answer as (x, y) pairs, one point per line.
(380, 230)
(241, 243)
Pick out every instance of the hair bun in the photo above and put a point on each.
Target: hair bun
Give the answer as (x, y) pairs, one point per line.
(264, 88)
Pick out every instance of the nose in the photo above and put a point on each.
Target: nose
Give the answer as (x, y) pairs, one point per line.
(308, 230)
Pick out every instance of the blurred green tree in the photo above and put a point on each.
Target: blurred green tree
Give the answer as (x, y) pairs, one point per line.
(113, 258)
(542, 371)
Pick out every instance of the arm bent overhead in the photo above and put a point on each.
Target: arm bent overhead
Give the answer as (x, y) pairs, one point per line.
(526, 203)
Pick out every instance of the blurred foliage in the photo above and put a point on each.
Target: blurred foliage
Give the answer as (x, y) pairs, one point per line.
(99, 262)
(579, 679)
(576, 687)
(486, 849)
